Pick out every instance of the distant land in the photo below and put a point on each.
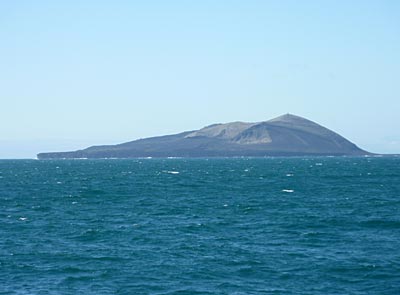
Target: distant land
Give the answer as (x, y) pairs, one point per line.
(287, 135)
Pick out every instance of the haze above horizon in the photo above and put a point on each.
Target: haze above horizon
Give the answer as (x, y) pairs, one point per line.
(81, 73)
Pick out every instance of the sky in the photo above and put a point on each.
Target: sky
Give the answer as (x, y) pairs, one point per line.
(81, 73)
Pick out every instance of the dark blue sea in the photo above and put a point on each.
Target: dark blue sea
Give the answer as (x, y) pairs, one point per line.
(200, 226)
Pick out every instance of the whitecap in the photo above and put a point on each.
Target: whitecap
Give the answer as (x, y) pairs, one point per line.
(289, 174)
(23, 218)
(288, 190)
(172, 172)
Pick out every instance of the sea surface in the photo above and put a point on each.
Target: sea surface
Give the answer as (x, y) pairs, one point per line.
(200, 226)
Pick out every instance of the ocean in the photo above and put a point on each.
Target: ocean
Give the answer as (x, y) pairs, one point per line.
(324, 225)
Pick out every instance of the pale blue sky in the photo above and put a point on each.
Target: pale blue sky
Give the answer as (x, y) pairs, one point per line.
(79, 73)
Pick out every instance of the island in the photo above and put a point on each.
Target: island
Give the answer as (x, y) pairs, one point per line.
(287, 135)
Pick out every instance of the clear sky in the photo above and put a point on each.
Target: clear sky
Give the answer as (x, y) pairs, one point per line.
(79, 73)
